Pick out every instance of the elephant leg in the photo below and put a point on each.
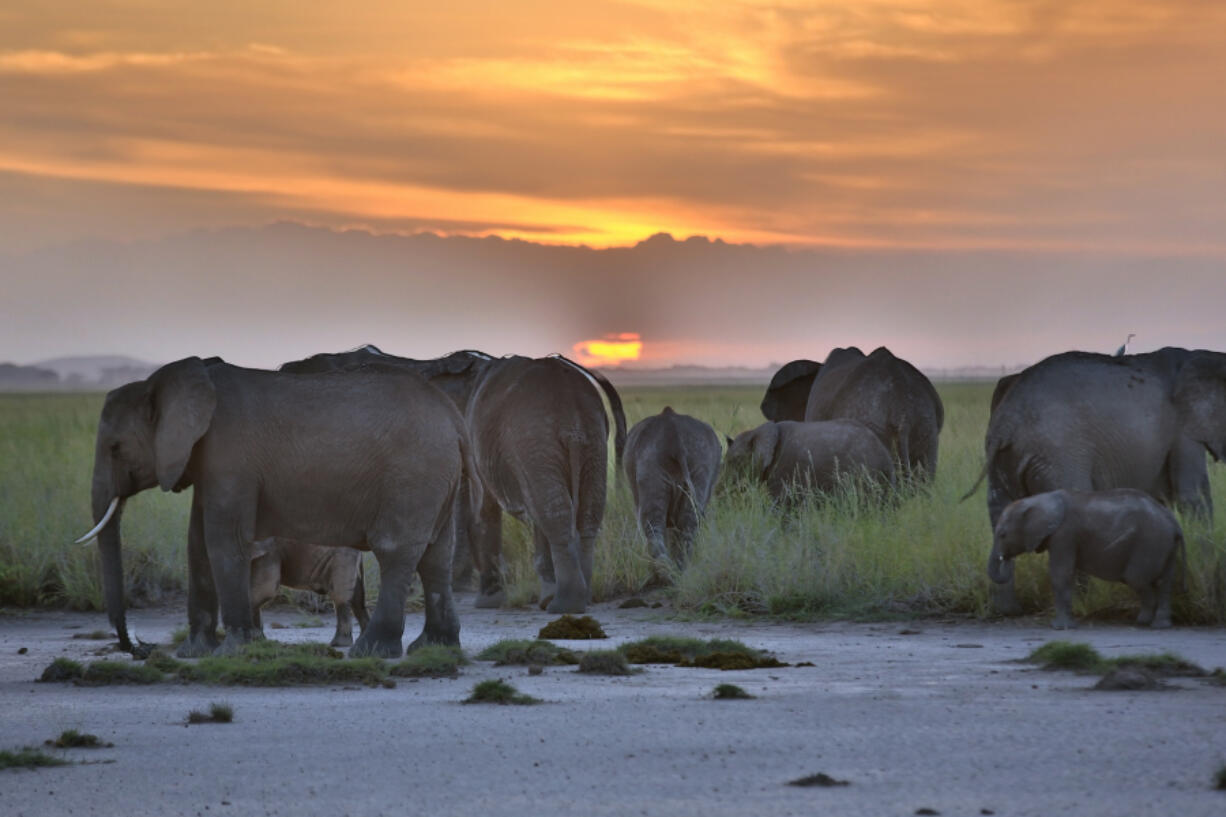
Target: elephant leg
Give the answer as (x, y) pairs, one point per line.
(683, 521)
(462, 530)
(1003, 596)
(358, 600)
(228, 536)
(542, 561)
(653, 517)
(1163, 587)
(396, 565)
(572, 589)
(344, 623)
(491, 593)
(442, 625)
(201, 592)
(1149, 601)
(1062, 570)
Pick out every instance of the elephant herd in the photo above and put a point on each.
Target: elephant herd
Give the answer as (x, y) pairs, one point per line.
(416, 460)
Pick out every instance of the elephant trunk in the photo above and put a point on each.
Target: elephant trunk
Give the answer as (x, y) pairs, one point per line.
(1000, 569)
(111, 559)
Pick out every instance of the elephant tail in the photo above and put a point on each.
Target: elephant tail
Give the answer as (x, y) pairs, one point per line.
(1182, 546)
(615, 404)
(983, 472)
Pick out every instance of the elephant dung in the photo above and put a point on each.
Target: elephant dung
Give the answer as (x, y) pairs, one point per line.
(572, 628)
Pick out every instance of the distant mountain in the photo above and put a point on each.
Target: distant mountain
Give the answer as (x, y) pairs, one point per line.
(92, 371)
(26, 378)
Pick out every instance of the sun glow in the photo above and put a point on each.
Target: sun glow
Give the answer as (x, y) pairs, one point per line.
(611, 350)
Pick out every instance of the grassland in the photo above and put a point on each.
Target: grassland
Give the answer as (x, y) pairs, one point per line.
(923, 555)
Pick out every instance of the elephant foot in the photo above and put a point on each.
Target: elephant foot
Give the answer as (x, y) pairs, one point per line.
(340, 640)
(567, 603)
(364, 647)
(1063, 624)
(1161, 623)
(236, 639)
(197, 646)
(1004, 601)
(435, 639)
(491, 601)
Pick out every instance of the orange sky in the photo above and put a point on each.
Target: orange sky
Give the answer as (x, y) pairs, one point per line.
(1092, 125)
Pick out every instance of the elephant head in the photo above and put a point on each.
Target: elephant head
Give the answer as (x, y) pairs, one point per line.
(788, 392)
(1024, 527)
(145, 438)
(1200, 398)
(754, 451)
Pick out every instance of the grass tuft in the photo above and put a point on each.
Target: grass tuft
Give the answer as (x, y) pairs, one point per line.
(62, 669)
(605, 662)
(272, 664)
(496, 691)
(1078, 657)
(433, 661)
(28, 758)
(572, 628)
(729, 692)
(524, 651)
(219, 712)
(72, 739)
(114, 673)
(716, 653)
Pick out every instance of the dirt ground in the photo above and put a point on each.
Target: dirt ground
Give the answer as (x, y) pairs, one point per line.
(935, 716)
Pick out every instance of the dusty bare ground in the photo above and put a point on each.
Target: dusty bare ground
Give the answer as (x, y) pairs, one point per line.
(940, 719)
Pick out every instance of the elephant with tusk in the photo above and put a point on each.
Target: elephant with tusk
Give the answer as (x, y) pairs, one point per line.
(363, 461)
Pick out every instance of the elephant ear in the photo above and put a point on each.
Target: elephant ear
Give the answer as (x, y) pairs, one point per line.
(789, 391)
(1043, 516)
(765, 446)
(183, 400)
(1200, 398)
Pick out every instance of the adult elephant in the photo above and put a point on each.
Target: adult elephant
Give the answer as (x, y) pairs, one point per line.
(364, 461)
(886, 393)
(1089, 422)
(539, 433)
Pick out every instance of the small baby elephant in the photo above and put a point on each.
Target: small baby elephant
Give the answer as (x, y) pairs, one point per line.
(1122, 535)
(810, 455)
(671, 462)
(330, 571)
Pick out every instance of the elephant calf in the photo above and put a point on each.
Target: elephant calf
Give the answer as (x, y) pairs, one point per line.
(810, 456)
(1122, 535)
(332, 572)
(671, 462)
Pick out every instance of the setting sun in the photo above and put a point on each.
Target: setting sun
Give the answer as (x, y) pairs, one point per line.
(611, 350)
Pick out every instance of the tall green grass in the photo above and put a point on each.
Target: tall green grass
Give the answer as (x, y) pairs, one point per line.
(924, 553)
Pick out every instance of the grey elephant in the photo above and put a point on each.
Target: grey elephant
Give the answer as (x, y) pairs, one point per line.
(539, 434)
(1091, 422)
(370, 462)
(790, 456)
(1120, 535)
(332, 572)
(886, 393)
(671, 462)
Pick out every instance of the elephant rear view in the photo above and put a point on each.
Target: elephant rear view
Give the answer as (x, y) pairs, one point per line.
(797, 457)
(671, 462)
(887, 394)
(539, 431)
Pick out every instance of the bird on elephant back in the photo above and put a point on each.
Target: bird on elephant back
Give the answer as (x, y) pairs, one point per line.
(539, 434)
(884, 392)
(270, 454)
(1081, 421)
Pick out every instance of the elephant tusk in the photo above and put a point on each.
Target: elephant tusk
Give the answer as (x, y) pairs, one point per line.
(106, 517)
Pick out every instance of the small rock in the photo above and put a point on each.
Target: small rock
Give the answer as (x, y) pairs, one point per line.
(969, 646)
(819, 779)
(22, 650)
(908, 631)
(926, 810)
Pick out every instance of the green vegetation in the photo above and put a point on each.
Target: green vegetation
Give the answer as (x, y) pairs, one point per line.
(716, 653)
(1078, 657)
(524, 651)
(922, 555)
(605, 662)
(218, 713)
(572, 628)
(729, 692)
(496, 691)
(72, 739)
(262, 663)
(432, 661)
(28, 758)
